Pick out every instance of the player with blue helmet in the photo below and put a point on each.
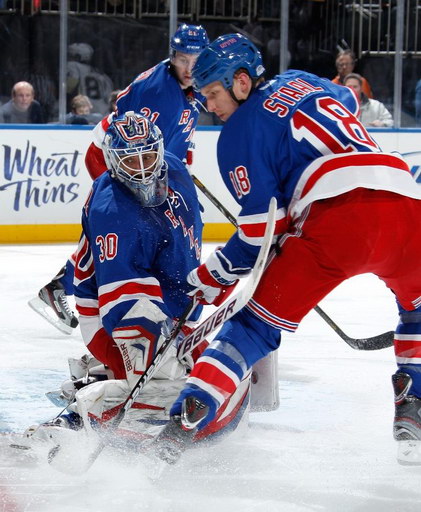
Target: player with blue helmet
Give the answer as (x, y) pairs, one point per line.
(191, 39)
(165, 95)
(344, 208)
(134, 149)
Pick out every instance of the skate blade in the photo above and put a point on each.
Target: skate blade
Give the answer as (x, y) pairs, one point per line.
(48, 314)
(409, 453)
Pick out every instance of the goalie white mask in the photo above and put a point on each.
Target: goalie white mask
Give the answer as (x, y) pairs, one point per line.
(134, 151)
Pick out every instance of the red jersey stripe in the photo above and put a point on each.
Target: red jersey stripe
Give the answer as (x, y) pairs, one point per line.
(130, 289)
(353, 160)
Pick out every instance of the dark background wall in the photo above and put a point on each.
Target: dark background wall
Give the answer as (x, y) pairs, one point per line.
(126, 45)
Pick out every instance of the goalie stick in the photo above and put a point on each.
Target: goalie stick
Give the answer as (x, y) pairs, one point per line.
(223, 313)
(374, 343)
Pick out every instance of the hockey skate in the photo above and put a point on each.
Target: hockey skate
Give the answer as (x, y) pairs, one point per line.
(407, 423)
(177, 436)
(52, 305)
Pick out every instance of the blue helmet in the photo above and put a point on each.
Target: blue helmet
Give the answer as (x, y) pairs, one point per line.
(223, 57)
(189, 39)
(134, 150)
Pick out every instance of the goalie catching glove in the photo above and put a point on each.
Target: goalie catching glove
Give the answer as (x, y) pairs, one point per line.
(211, 282)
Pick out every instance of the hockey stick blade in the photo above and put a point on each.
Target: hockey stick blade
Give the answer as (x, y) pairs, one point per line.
(378, 342)
(62, 461)
(230, 307)
(375, 343)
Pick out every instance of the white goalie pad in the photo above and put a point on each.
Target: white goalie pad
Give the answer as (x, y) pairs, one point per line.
(136, 360)
(80, 367)
(147, 415)
(86, 367)
(264, 395)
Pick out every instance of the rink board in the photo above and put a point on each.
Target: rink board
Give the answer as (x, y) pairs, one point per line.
(44, 182)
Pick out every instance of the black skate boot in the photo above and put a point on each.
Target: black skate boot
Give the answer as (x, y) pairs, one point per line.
(52, 299)
(178, 434)
(407, 422)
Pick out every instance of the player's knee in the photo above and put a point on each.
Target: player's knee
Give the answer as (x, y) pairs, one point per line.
(246, 330)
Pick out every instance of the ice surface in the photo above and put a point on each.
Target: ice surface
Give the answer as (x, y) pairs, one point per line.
(329, 447)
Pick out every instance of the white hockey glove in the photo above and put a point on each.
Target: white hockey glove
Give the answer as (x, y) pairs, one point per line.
(211, 283)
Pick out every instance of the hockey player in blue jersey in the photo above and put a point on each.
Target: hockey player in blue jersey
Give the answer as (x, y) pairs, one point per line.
(344, 208)
(141, 237)
(165, 95)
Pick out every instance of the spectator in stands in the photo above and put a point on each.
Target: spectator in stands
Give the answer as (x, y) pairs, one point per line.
(22, 107)
(372, 112)
(81, 108)
(345, 64)
(418, 103)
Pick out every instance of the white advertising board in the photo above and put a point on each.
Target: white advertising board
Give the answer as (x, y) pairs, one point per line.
(44, 182)
(43, 179)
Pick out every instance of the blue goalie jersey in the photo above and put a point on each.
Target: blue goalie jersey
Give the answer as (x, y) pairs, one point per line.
(297, 138)
(157, 95)
(128, 251)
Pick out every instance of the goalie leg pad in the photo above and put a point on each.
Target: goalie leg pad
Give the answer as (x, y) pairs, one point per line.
(138, 342)
(98, 403)
(80, 367)
(264, 394)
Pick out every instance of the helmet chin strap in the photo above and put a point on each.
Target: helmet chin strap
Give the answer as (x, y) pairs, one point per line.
(233, 96)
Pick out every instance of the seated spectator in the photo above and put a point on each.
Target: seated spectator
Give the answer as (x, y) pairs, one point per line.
(345, 64)
(418, 104)
(81, 111)
(372, 112)
(22, 107)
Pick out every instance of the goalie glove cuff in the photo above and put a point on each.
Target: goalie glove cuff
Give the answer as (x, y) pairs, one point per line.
(208, 289)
